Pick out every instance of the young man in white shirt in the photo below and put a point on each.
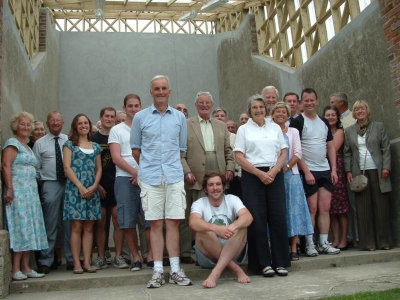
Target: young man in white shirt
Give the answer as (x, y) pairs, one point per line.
(319, 176)
(220, 222)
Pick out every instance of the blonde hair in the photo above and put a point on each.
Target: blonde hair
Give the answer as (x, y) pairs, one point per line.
(281, 105)
(15, 119)
(360, 103)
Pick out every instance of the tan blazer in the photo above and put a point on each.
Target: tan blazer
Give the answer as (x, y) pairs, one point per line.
(194, 160)
(378, 145)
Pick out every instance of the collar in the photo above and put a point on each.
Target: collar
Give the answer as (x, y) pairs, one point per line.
(345, 114)
(202, 120)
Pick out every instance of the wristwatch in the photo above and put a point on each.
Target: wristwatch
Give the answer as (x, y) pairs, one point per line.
(287, 165)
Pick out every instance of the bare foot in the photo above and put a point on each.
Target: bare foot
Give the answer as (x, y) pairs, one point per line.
(241, 276)
(211, 281)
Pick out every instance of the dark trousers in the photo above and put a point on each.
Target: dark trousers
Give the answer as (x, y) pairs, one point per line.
(267, 205)
(373, 215)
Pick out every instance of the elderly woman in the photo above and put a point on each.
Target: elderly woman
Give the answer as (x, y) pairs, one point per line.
(82, 166)
(297, 213)
(261, 152)
(37, 133)
(23, 210)
(367, 148)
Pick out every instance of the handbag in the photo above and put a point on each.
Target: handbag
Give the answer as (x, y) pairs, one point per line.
(360, 182)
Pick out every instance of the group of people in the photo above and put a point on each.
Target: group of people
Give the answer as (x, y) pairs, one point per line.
(203, 180)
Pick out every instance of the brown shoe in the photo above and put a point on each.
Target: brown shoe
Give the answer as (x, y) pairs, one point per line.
(187, 260)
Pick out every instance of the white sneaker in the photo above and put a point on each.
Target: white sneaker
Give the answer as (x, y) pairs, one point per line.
(311, 251)
(179, 278)
(120, 263)
(156, 281)
(19, 276)
(100, 263)
(327, 249)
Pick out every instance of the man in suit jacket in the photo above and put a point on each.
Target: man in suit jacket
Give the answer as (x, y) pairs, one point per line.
(208, 149)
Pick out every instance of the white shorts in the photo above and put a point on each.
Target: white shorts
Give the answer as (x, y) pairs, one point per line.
(165, 201)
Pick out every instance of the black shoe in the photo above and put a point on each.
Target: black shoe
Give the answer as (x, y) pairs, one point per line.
(43, 269)
(70, 267)
(187, 260)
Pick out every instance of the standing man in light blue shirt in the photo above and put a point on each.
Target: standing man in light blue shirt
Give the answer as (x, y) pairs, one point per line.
(158, 140)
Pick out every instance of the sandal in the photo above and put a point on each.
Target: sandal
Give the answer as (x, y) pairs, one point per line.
(268, 272)
(294, 256)
(90, 270)
(281, 271)
(79, 271)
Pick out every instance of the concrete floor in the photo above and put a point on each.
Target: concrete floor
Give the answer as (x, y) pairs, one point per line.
(305, 284)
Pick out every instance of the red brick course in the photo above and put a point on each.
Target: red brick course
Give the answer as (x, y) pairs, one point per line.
(390, 11)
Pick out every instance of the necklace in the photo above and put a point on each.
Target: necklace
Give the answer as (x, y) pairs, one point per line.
(284, 130)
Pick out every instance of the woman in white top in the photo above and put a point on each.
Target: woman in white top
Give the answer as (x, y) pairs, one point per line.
(260, 151)
(367, 147)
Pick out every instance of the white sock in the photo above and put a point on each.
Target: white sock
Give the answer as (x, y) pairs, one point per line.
(174, 261)
(323, 239)
(309, 239)
(158, 266)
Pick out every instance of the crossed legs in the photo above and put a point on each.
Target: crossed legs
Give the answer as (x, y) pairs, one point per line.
(209, 244)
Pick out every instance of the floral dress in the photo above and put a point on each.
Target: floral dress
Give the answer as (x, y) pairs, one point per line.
(340, 199)
(24, 214)
(84, 166)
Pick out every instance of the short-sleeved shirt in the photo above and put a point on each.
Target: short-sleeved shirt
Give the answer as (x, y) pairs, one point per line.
(261, 146)
(161, 139)
(314, 136)
(108, 174)
(223, 215)
(44, 149)
(120, 134)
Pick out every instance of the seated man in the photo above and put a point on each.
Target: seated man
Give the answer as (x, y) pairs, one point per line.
(220, 222)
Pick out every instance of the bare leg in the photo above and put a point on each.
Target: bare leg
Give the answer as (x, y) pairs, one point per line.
(118, 233)
(132, 241)
(16, 262)
(76, 230)
(172, 237)
(87, 242)
(148, 242)
(26, 255)
(312, 207)
(157, 239)
(324, 206)
(293, 243)
(343, 224)
(101, 233)
(335, 230)
(209, 244)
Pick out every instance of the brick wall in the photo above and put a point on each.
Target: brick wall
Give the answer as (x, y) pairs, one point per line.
(390, 11)
(42, 30)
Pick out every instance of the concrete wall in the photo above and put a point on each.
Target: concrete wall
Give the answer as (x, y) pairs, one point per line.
(27, 85)
(99, 69)
(242, 74)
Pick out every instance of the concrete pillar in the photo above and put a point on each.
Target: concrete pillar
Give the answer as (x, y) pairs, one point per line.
(5, 263)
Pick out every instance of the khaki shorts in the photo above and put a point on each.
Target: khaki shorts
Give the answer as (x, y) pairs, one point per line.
(165, 201)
